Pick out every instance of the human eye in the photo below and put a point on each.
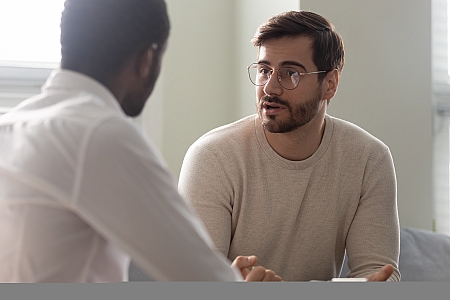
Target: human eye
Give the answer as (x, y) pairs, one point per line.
(292, 73)
(288, 73)
(264, 70)
(289, 77)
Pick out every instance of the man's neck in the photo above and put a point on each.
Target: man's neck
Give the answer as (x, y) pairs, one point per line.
(301, 143)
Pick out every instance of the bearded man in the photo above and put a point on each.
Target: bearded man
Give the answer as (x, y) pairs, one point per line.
(291, 184)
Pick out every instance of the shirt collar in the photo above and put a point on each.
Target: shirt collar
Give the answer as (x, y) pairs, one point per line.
(67, 80)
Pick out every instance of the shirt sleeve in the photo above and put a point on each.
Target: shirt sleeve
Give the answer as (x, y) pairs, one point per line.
(125, 192)
(374, 236)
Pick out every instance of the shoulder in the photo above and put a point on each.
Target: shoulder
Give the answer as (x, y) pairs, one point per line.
(226, 146)
(116, 132)
(234, 134)
(357, 146)
(353, 135)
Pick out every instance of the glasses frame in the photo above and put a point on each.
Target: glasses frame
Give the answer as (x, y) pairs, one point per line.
(278, 76)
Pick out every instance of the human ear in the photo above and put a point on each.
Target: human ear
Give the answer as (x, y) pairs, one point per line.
(330, 85)
(146, 60)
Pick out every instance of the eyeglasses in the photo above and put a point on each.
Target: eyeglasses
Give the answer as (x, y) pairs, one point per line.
(288, 77)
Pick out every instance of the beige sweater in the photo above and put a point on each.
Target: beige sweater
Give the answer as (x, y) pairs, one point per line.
(298, 217)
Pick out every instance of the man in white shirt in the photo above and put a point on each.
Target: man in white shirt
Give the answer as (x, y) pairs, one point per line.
(81, 189)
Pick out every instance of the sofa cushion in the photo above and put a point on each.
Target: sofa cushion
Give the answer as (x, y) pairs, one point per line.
(424, 256)
(136, 274)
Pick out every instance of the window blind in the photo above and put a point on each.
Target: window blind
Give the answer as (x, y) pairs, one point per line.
(441, 99)
(30, 47)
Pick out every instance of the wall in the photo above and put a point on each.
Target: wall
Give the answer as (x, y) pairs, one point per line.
(386, 88)
(250, 14)
(204, 70)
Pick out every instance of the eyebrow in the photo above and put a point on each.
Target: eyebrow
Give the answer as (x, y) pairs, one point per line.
(285, 63)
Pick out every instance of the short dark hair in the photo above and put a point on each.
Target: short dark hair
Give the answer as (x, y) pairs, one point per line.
(102, 34)
(328, 47)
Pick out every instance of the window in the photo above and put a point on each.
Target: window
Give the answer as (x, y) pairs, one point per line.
(441, 98)
(30, 47)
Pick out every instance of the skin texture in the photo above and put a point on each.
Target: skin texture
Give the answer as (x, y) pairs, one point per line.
(250, 272)
(381, 275)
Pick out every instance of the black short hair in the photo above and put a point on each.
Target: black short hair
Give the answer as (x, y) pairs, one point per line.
(103, 34)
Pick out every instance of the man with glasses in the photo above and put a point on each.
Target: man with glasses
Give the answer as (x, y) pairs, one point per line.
(292, 184)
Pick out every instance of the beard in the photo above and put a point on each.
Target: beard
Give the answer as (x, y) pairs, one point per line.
(299, 115)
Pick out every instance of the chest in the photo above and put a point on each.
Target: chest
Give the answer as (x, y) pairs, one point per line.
(281, 195)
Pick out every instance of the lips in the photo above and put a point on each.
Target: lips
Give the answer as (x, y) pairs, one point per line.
(272, 108)
(271, 105)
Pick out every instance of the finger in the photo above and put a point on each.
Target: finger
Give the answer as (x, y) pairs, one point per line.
(382, 275)
(245, 272)
(385, 272)
(257, 273)
(261, 274)
(269, 276)
(242, 262)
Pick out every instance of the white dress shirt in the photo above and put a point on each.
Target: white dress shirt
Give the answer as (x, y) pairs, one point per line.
(82, 190)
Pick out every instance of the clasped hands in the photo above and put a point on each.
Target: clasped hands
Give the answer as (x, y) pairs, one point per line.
(250, 272)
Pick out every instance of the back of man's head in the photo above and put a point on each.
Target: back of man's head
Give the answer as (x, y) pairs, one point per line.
(99, 36)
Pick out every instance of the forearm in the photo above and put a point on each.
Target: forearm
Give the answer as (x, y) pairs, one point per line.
(373, 238)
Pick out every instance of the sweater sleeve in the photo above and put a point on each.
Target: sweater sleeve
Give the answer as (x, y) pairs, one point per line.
(373, 238)
(211, 198)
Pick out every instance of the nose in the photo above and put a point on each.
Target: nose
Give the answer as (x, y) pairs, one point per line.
(273, 86)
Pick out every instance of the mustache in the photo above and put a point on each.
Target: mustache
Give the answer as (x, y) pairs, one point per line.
(277, 100)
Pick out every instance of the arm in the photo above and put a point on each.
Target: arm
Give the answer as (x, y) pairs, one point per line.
(373, 239)
(126, 194)
(212, 199)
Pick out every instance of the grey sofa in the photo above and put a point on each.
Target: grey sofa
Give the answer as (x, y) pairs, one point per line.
(136, 274)
(424, 256)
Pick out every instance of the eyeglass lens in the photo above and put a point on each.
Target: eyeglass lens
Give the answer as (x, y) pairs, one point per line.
(287, 77)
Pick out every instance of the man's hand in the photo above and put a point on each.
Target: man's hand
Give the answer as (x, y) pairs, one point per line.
(382, 275)
(244, 263)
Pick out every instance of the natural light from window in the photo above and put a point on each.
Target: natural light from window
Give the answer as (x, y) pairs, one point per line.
(448, 37)
(30, 32)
